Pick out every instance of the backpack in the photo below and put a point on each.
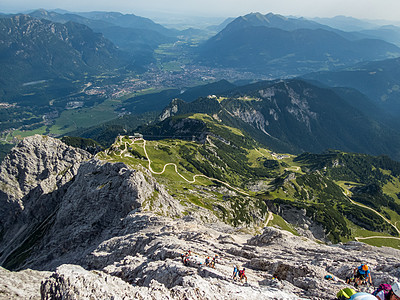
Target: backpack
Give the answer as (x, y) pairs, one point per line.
(345, 293)
(386, 288)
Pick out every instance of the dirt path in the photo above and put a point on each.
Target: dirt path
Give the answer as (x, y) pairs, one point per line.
(377, 237)
(388, 221)
(176, 169)
(270, 218)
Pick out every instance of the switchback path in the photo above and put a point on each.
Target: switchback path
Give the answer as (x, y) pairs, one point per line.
(270, 215)
(388, 221)
(270, 218)
(176, 169)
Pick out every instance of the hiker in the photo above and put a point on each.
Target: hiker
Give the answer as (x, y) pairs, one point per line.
(207, 261)
(214, 260)
(387, 292)
(185, 257)
(186, 260)
(242, 275)
(235, 272)
(330, 277)
(350, 277)
(362, 274)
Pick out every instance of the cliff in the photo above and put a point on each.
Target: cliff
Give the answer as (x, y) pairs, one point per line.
(108, 230)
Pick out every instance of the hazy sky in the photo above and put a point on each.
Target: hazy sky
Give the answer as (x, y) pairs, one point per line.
(367, 9)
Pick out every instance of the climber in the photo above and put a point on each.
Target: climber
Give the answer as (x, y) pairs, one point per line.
(330, 277)
(350, 277)
(235, 272)
(184, 255)
(207, 261)
(387, 292)
(186, 260)
(242, 275)
(214, 261)
(362, 274)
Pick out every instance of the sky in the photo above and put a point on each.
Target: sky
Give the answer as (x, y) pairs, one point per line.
(361, 9)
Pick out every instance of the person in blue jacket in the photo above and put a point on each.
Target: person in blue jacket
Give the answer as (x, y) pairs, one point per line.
(362, 273)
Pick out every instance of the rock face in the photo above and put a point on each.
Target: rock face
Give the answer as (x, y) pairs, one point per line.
(32, 177)
(62, 202)
(115, 233)
(92, 208)
(21, 285)
(146, 255)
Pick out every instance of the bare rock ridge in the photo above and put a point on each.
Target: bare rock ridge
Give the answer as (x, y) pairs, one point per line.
(75, 202)
(32, 177)
(108, 231)
(21, 285)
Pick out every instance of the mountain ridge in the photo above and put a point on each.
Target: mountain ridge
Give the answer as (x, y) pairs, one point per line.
(133, 34)
(264, 49)
(377, 80)
(130, 250)
(35, 50)
(292, 113)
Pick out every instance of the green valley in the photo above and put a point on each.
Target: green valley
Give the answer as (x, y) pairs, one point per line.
(239, 181)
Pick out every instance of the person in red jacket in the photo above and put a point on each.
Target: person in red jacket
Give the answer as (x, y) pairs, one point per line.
(242, 275)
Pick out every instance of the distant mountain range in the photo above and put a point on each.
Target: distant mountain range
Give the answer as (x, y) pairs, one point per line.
(280, 46)
(364, 29)
(346, 23)
(348, 109)
(35, 50)
(380, 81)
(131, 33)
(290, 116)
(275, 21)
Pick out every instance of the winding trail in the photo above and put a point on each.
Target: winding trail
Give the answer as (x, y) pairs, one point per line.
(346, 193)
(176, 168)
(377, 237)
(270, 218)
(270, 215)
(364, 206)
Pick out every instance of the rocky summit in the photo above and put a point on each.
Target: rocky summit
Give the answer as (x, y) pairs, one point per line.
(76, 227)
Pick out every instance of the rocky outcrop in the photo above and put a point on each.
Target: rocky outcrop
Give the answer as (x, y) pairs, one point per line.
(91, 210)
(21, 285)
(37, 162)
(75, 202)
(146, 255)
(74, 282)
(32, 178)
(142, 260)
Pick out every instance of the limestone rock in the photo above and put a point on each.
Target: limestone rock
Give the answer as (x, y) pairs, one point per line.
(21, 285)
(32, 178)
(73, 282)
(93, 208)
